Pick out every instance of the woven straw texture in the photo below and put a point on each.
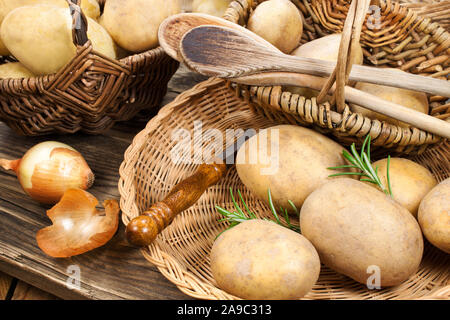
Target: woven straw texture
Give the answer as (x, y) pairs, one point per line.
(181, 251)
(404, 40)
(437, 10)
(89, 94)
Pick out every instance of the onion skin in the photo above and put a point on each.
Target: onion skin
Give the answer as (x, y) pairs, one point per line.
(50, 168)
(78, 227)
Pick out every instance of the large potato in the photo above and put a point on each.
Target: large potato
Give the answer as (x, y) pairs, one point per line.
(261, 260)
(410, 181)
(213, 7)
(358, 230)
(295, 163)
(40, 37)
(325, 48)
(14, 70)
(134, 24)
(414, 100)
(279, 22)
(90, 8)
(434, 216)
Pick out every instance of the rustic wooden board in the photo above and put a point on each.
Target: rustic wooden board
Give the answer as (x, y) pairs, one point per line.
(114, 271)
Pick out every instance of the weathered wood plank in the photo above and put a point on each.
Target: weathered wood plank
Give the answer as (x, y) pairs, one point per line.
(114, 271)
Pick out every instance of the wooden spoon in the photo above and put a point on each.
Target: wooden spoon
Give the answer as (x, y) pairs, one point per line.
(172, 30)
(228, 53)
(219, 51)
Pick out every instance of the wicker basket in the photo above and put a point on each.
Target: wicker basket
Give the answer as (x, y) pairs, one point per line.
(89, 94)
(405, 41)
(181, 251)
(437, 10)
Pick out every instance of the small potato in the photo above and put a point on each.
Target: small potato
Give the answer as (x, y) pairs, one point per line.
(289, 160)
(362, 233)
(101, 40)
(40, 37)
(279, 22)
(434, 216)
(410, 181)
(213, 7)
(134, 24)
(14, 70)
(414, 100)
(325, 48)
(261, 260)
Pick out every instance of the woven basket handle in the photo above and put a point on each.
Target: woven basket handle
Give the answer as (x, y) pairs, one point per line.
(79, 23)
(351, 35)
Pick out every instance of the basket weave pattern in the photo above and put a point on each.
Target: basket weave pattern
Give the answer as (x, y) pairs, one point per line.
(405, 40)
(89, 94)
(181, 251)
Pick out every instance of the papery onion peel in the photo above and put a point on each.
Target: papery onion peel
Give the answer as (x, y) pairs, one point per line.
(78, 226)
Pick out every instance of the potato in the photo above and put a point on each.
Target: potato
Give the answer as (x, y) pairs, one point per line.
(411, 99)
(134, 24)
(14, 70)
(358, 230)
(101, 40)
(279, 22)
(40, 37)
(294, 165)
(434, 216)
(325, 48)
(213, 7)
(261, 260)
(410, 181)
(90, 8)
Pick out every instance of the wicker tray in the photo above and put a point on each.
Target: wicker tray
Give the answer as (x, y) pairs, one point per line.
(90, 94)
(406, 41)
(181, 251)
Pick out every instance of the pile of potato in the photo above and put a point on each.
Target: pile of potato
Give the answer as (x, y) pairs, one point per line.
(38, 33)
(349, 225)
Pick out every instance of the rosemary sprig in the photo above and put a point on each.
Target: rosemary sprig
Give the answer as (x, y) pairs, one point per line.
(236, 217)
(363, 163)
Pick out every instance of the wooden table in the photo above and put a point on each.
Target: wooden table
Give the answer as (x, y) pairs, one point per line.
(114, 271)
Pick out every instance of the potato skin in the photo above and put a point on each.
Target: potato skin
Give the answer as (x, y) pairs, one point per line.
(354, 226)
(14, 70)
(411, 99)
(325, 48)
(304, 158)
(137, 30)
(261, 260)
(434, 216)
(40, 37)
(410, 181)
(279, 22)
(90, 8)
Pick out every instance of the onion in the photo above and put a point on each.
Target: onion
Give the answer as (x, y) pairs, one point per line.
(50, 168)
(78, 226)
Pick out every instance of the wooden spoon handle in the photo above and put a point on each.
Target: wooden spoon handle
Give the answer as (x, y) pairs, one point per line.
(381, 76)
(142, 230)
(369, 101)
